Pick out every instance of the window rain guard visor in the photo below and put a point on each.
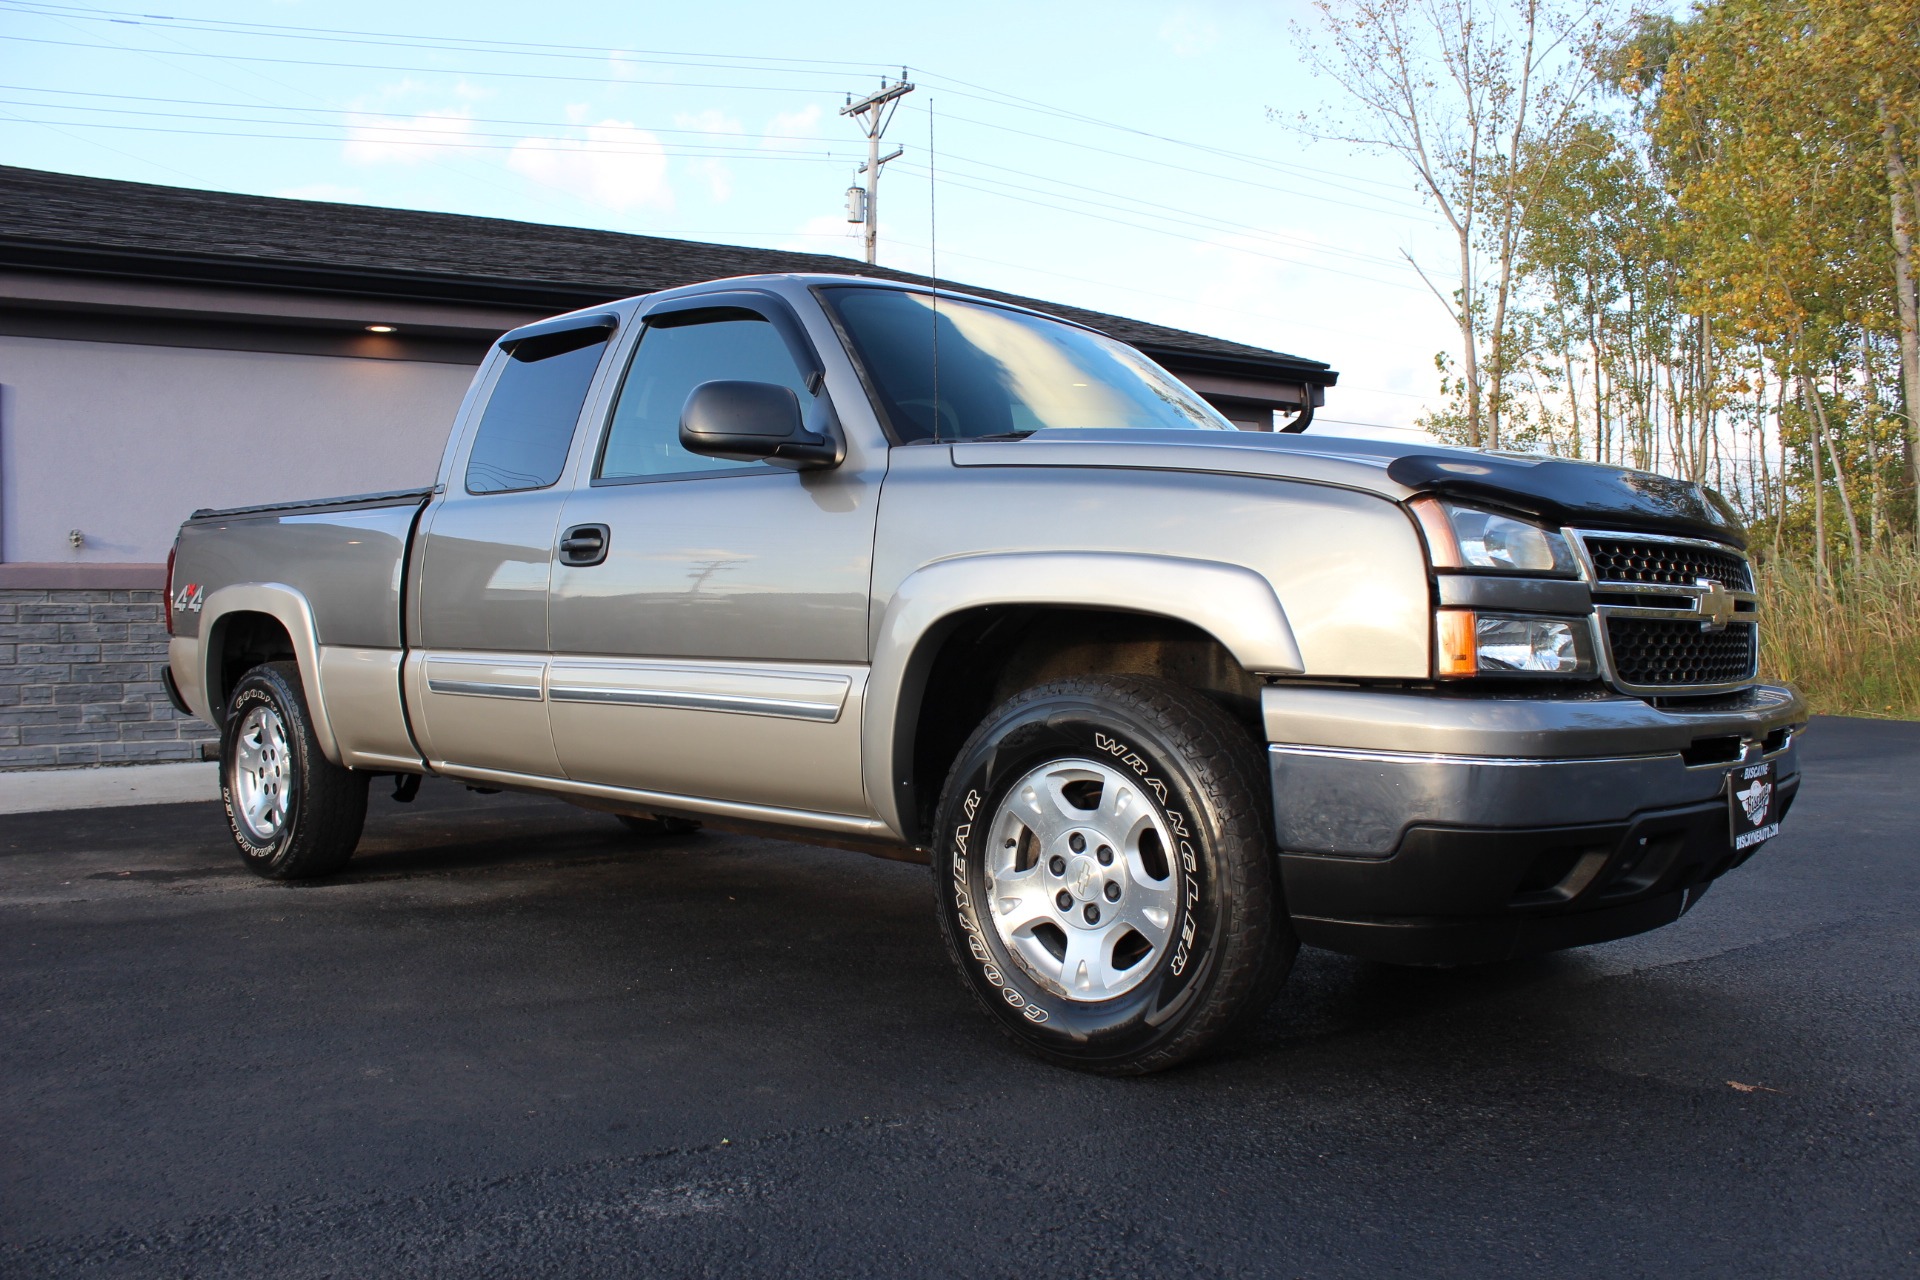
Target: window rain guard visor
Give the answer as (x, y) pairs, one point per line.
(527, 425)
(1001, 372)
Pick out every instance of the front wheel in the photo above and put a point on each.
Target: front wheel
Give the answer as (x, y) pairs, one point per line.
(1105, 876)
(294, 813)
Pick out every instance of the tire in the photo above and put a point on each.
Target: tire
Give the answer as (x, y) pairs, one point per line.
(294, 814)
(656, 825)
(1163, 950)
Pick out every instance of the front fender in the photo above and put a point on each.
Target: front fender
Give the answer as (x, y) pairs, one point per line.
(1232, 603)
(291, 609)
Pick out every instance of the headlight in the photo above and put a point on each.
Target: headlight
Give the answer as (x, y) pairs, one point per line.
(1464, 538)
(1474, 644)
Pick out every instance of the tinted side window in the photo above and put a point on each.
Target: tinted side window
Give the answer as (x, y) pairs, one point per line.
(672, 359)
(528, 423)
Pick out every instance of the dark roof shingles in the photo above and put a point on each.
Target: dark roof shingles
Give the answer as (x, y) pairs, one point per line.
(36, 205)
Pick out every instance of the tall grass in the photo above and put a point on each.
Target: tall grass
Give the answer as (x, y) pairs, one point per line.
(1853, 646)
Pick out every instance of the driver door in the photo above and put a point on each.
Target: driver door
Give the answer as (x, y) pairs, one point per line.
(716, 646)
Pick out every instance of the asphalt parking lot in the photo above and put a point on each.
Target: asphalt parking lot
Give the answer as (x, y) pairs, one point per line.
(514, 1041)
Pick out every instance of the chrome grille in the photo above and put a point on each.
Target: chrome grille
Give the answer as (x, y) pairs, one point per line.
(1675, 615)
(1675, 564)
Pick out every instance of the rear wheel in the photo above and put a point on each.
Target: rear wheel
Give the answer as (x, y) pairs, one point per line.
(294, 813)
(1105, 874)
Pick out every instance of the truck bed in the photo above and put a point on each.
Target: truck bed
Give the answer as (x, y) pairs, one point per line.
(343, 555)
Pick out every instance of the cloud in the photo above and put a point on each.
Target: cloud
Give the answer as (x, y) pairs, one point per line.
(712, 171)
(613, 164)
(1189, 34)
(381, 140)
(787, 127)
(711, 120)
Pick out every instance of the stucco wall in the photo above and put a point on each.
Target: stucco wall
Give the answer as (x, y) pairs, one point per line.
(123, 441)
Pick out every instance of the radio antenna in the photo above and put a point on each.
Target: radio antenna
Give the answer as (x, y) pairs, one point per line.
(933, 259)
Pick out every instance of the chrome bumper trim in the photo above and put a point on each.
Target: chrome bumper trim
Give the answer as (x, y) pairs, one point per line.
(1514, 727)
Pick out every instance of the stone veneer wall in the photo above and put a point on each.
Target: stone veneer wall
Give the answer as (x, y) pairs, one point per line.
(80, 681)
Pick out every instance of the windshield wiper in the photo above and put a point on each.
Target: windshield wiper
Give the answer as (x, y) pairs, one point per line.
(1001, 435)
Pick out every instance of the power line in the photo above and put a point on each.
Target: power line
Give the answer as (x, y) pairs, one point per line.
(380, 66)
(425, 135)
(433, 140)
(660, 57)
(1192, 219)
(1107, 217)
(437, 139)
(742, 150)
(223, 26)
(725, 61)
(353, 111)
(1169, 297)
(1000, 98)
(447, 163)
(1292, 191)
(477, 46)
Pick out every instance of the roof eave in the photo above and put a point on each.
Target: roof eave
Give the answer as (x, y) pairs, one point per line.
(173, 266)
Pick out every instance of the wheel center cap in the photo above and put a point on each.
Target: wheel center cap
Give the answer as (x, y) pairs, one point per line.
(1083, 878)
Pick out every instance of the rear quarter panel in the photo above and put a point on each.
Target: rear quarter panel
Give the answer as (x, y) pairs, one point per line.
(334, 579)
(347, 564)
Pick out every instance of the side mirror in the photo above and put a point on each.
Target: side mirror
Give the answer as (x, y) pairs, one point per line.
(750, 422)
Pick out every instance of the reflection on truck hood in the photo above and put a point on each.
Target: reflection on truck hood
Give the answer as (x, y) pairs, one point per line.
(1558, 490)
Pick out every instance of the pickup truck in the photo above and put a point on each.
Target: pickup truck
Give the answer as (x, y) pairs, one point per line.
(1159, 700)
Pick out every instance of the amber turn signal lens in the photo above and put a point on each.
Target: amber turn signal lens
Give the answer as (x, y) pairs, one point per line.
(1455, 650)
(1442, 546)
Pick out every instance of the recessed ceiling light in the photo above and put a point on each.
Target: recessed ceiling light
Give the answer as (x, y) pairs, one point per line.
(379, 328)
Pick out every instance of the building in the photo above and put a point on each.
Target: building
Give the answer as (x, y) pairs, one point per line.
(164, 349)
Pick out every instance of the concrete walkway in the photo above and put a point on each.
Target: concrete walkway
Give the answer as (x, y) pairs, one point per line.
(45, 790)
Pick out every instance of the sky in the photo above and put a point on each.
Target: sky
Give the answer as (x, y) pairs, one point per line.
(1143, 159)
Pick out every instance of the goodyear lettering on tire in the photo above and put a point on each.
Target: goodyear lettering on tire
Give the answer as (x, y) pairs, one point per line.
(976, 940)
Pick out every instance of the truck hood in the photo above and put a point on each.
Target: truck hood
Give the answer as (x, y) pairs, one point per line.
(1560, 491)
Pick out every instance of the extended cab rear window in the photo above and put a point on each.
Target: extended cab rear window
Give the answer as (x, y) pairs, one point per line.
(529, 419)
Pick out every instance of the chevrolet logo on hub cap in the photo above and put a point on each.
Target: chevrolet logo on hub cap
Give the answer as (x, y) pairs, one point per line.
(1715, 605)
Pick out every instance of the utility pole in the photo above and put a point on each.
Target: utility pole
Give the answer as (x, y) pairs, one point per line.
(874, 112)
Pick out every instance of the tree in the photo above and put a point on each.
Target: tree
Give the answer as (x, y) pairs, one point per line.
(1790, 131)
(1461, 90)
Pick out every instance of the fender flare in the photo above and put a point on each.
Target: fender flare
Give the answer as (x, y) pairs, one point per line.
(1232, 603)
(291, 609)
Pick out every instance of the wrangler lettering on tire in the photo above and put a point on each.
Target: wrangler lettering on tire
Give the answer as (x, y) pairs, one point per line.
(1106, 880)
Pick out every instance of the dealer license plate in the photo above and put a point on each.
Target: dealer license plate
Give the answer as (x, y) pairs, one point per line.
(1754, 804)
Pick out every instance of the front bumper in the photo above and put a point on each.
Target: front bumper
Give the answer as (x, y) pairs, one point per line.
(1429, 829)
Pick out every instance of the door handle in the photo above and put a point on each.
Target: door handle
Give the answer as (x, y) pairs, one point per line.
(584, 545)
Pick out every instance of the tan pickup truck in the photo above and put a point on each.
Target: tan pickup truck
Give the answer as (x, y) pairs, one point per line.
(1158, 699)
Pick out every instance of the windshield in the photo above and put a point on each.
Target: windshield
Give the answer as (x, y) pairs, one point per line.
(1001, 373)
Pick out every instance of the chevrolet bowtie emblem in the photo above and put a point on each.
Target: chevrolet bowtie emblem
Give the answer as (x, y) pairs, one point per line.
(1715, 605)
